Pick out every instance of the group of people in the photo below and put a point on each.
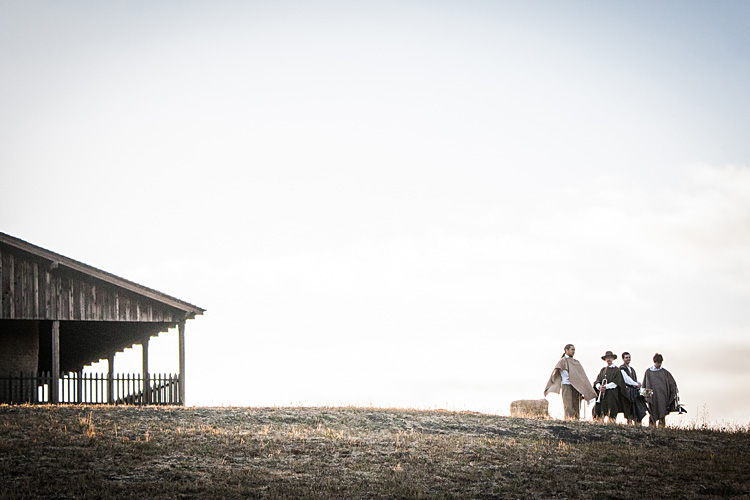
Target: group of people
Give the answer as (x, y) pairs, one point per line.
(616, 389)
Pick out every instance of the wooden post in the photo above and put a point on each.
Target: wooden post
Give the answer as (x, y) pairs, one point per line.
(111, 379)
(146, 383)
(181, 376)
(79, 387)
(55, 382)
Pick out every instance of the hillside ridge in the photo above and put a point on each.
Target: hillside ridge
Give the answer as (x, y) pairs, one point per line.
(283, 452)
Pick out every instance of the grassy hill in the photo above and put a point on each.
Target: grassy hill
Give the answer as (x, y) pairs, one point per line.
(155, 452)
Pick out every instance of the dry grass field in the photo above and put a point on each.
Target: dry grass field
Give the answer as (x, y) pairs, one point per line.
(79, 452)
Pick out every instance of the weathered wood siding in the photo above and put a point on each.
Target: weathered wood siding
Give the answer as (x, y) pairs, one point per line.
(32, 288)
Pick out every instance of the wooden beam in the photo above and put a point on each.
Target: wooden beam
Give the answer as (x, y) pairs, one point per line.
(21, 295)
(35, 291)
(11, 296)
(181, 328)
(54, 390)
(111, 379)
(48, 295)
(146, 382)
(79, 388)
(2, 294)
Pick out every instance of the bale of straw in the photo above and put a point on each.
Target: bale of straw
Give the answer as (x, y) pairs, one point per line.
(530, 408)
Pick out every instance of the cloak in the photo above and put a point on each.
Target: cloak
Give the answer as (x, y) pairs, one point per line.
(633, 398)
(576, 375)
(611, 402)
(631, 373)
(665, 391)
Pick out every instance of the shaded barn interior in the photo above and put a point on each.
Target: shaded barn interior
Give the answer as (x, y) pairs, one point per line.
(59, 315)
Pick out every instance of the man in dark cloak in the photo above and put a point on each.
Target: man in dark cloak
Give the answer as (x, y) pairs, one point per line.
(634, 406)
(571, 381)
(663, 398)
(610, 385)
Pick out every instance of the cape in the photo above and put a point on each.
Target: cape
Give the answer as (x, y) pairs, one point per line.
(665, 391)
(630, 371)
(630, 392)
(576, 375)
(611, 402)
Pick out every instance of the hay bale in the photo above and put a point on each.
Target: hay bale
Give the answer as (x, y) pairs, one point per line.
(530, 408)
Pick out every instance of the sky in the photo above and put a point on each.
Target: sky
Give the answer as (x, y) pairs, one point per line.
(397, 204)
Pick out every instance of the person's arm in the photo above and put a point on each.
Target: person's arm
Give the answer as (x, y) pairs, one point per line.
(628, 380)
(610, 385)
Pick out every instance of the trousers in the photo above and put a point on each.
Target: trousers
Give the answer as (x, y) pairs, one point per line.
(571, 402)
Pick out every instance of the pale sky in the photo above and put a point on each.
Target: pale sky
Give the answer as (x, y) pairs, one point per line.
(410, 204)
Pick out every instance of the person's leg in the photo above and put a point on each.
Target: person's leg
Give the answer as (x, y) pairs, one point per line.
(612, 414)
(628, 412)
(571, 402)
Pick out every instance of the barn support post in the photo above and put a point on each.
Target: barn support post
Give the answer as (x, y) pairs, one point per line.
(146, 381)
(54, 392)
(79, 386)
(111, 379)
(181, 384)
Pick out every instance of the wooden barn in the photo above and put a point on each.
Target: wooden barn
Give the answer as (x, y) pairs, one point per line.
(58, 315)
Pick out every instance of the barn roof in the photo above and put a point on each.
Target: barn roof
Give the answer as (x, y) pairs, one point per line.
(57, 261)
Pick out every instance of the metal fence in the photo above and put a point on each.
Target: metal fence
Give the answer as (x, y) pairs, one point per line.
(92, 388)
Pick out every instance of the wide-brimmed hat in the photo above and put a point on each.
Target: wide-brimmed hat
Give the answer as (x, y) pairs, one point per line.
(609, 354)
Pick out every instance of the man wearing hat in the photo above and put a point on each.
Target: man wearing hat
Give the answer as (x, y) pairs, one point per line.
(610, 386)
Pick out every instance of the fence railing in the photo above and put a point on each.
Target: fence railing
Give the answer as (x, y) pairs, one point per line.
(92, 388)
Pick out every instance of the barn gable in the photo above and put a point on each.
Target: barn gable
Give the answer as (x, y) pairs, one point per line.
(43, 285)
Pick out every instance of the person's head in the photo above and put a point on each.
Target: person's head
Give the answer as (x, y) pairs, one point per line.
(626, 358)
(609, 357)
(570, 350)
(658, 360)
